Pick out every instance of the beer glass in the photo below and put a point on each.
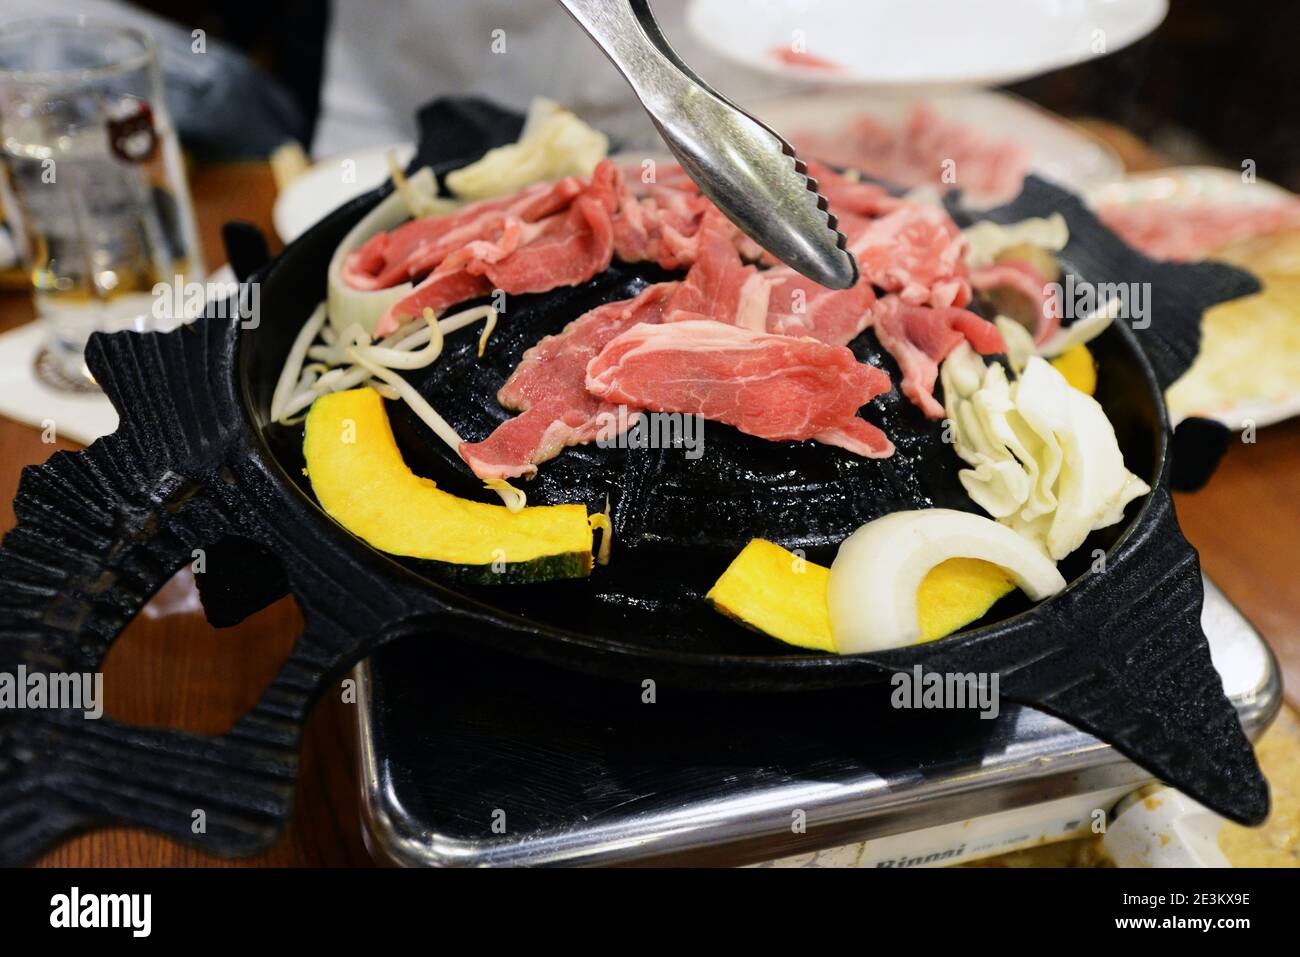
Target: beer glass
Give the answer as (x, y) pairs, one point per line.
(92, 181)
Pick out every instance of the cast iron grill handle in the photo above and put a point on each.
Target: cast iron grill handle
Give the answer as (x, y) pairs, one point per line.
(1170, 334)
(99, 531)
(1123, 657)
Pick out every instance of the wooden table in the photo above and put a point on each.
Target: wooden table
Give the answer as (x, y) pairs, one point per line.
(172, 669)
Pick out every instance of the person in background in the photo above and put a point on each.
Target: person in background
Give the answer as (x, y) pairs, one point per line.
(382, 62)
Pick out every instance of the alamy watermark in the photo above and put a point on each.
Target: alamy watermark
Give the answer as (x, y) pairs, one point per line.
(179, 300)
(956, 691)
(626, 429)
(1077, 299)
(22, 690)
(75, 909)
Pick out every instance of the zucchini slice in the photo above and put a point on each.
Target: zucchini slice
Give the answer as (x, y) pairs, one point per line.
(359, 478)
(782, 595)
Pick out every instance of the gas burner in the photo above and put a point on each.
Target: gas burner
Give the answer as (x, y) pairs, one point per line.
(478, 760)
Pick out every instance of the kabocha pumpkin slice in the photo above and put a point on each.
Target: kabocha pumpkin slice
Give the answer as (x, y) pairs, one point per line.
(360, 479)
(1079, 368)
(778, 593)
(774, 591)
(958, 592)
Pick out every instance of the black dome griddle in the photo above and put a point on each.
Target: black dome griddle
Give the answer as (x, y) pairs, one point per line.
(194, 464)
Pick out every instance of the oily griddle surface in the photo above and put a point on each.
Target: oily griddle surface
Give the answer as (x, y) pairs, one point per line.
(678, 521)
(800, 494)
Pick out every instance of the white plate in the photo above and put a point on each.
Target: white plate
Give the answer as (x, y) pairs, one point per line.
(1058, 151)
(1192, 185)
(1257, 414)
(330, 183)
(916, 42)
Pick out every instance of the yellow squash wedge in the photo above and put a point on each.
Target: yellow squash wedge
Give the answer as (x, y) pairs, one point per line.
(359, 478)
(782, 595)
(1079, 369)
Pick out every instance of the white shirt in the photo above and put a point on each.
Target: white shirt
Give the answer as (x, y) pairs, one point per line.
(383, 60)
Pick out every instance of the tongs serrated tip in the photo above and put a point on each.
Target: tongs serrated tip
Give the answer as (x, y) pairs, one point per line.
(742, 165)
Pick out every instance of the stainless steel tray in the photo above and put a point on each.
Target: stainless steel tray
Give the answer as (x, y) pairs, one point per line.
(486, 763)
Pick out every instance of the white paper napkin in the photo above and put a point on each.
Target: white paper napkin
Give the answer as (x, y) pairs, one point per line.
(76, 416)
(81, 417)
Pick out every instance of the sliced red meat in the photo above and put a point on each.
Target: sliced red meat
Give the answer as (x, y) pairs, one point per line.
(920, 337)
(918, 252)
(1168, 229)
(655, 221)
(563, 249)
(800, 58)
(544, 238)
(1024, 278)
(550, 381)
(719, 285)
(924, 149)
(644, 232)
(632, 227)
(666, 176)
(798, 306)
(565, 233)
(659, 221)
(775, 387)
(779, 300)
(435, 292)
(851, 197)
(549, 389)
(416, 248)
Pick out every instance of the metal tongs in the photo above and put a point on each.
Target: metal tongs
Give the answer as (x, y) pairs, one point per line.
(749, 171)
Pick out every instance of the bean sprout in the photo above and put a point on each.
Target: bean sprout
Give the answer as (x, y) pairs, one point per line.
(513, 498)
(348, 359)
(284, 387)
(427, 413)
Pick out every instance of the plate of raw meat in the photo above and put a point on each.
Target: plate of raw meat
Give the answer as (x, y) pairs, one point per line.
(981, 143)
(1248, 372)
